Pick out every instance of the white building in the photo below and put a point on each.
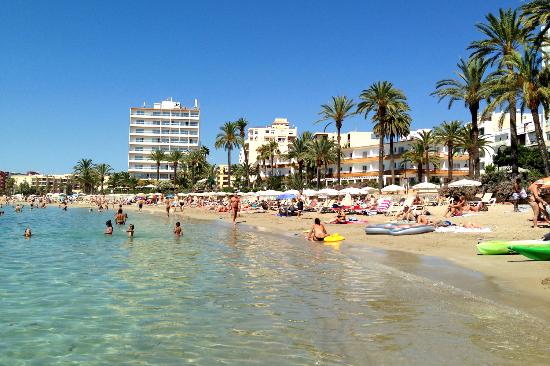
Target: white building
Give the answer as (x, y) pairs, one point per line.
(280, 132)
(167, 126)
(496, 130)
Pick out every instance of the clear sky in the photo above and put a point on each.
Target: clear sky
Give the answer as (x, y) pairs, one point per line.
(70, 70)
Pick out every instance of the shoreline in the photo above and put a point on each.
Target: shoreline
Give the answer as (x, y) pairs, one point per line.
(449, 258)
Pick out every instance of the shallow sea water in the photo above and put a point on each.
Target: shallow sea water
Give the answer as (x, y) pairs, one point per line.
(222, 296)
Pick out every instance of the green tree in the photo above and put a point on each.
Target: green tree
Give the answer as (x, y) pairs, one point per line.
(298, 151)
(467, 143)
(263, 156)
(397, 126)
(102, 170)
(174, 157)
(273, 148)
(337, 111)
(472, 87)
(84, 173)
(158, 156)
(503, 34)
(536, 13)
(323, 151)
(531, 83)
(228, 140)
(427, 140)
(385, 101)
(241, 126)
(196, 163)
(448, 134)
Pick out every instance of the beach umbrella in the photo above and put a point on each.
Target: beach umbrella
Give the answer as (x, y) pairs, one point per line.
(328, 192)
(150, 186)
(291, 191)
(286, 196)
(367, 190)
(309, 192)
(347, 201)
(465, 183)
(141, 195)
(393, 188)
(425, 185)
(351, 191)
(170, 195)
(269, 193)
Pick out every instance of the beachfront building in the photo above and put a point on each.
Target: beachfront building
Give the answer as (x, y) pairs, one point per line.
(54, 183)
(166, 126)
(496, 129)
(222, 178)
(279, 131)
(360, 160)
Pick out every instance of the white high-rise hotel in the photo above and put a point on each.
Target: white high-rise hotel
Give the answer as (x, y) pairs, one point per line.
(167, 126)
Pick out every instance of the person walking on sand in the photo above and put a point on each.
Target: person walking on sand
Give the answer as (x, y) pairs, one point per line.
(537, 203)
(167, 207)
(518, 193)
(235, 203)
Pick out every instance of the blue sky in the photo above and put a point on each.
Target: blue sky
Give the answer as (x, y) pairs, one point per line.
(70, 70)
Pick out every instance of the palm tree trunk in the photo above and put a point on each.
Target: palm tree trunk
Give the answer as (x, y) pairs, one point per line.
(318, 176)
(470, 164)
(175, 171)
(158, 171)
(246, 167)
(427, 160)
(102, 180)
(300, 169)
(338, 158)
(450, 162)
(272, 162)
(229, 167)
(475, 136)
(419, 172)
(392, 160)
(513, 131)
(540, 139)
(381, 163)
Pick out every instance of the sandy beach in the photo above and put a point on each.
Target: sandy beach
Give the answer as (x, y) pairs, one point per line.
(519, 281)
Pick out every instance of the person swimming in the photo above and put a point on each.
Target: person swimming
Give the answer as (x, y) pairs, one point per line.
(109, 228)
(177, 229)
(28, 232)
(130, 231)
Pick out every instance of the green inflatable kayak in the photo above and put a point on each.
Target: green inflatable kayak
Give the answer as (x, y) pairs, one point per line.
(536, 252)
(495, 247)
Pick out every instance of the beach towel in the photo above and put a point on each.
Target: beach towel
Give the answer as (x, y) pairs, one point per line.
(462, 230)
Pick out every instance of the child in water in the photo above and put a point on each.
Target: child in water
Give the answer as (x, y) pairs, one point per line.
(130, 231)
(28, 232)
(109, 229)
(177, 229)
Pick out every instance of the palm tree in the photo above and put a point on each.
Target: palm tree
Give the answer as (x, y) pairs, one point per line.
(503, 34)
(298, 150)
(241, 126)
(465, 141)
(337, 110)
(384, 101)
(537, 13)
(427, 140)
(471, 87)
(263, 156)
(174, 157)
(196, 162)
(84, 171)
(102, 170)
(532, 84)
(448, 134)
(273, 148)
(228, 140)
(158, 156)
(322, 151)
(398, 125)
(416, 156)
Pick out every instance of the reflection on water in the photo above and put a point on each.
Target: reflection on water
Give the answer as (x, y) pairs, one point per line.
(220, 294)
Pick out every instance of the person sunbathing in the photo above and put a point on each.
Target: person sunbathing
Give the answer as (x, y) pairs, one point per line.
(340, 218)
(456, 209)
(406, 214)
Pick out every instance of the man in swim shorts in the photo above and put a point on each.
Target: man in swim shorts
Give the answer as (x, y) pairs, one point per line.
(318, 231)
(235, 203)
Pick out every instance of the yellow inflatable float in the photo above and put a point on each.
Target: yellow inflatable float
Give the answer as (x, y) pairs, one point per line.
(334, 237)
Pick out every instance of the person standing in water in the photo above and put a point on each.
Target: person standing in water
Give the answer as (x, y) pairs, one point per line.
(28, 232)
(167, 207)
(177, 229)
(130, 231)
(235, 203)
(109, 228)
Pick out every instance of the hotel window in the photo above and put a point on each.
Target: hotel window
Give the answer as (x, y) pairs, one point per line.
(139, 139)
(139, 130)
(139, 148)
(165, 140)
(156, 123)
(156, 113)
(166, 123)
(350, 169)
(165, 113)
(140, 113)
(194, 114)
(156, 132)
(364, 168)
(139, 122)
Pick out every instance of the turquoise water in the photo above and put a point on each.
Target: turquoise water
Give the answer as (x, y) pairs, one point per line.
(73, 296)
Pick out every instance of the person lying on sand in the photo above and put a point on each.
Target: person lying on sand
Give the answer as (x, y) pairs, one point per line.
(318, 231)
(340, 218)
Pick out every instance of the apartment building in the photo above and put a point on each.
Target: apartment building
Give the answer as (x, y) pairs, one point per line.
(222, 178)
(166, 126)
(55, 183)
(279, 131)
